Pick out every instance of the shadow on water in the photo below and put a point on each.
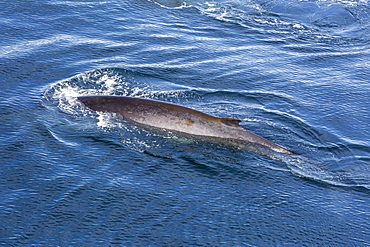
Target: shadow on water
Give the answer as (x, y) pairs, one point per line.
(336, 163)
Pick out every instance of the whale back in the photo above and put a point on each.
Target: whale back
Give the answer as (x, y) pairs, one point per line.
(177, 118)
(160, 114)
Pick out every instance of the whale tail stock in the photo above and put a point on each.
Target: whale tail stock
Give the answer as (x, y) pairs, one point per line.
(253, 138)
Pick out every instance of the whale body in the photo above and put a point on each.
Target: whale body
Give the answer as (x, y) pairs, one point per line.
(181, 119)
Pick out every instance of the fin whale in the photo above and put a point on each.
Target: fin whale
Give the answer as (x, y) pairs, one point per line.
(181, 119)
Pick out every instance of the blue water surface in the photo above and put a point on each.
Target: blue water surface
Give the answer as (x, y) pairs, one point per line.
(296, 72)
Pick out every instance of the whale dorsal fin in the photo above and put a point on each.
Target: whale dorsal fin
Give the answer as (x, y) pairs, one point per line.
(231, 121)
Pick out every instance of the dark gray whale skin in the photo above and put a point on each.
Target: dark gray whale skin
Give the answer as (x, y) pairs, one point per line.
(181, 119)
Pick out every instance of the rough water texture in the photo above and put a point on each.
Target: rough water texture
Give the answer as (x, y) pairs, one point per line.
(296, 73)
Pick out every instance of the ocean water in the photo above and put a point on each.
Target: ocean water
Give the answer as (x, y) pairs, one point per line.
(295, 71)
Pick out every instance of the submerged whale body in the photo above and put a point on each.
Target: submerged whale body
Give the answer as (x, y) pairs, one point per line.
(178, 118)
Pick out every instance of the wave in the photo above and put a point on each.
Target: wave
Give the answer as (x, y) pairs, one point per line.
(331, 22)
